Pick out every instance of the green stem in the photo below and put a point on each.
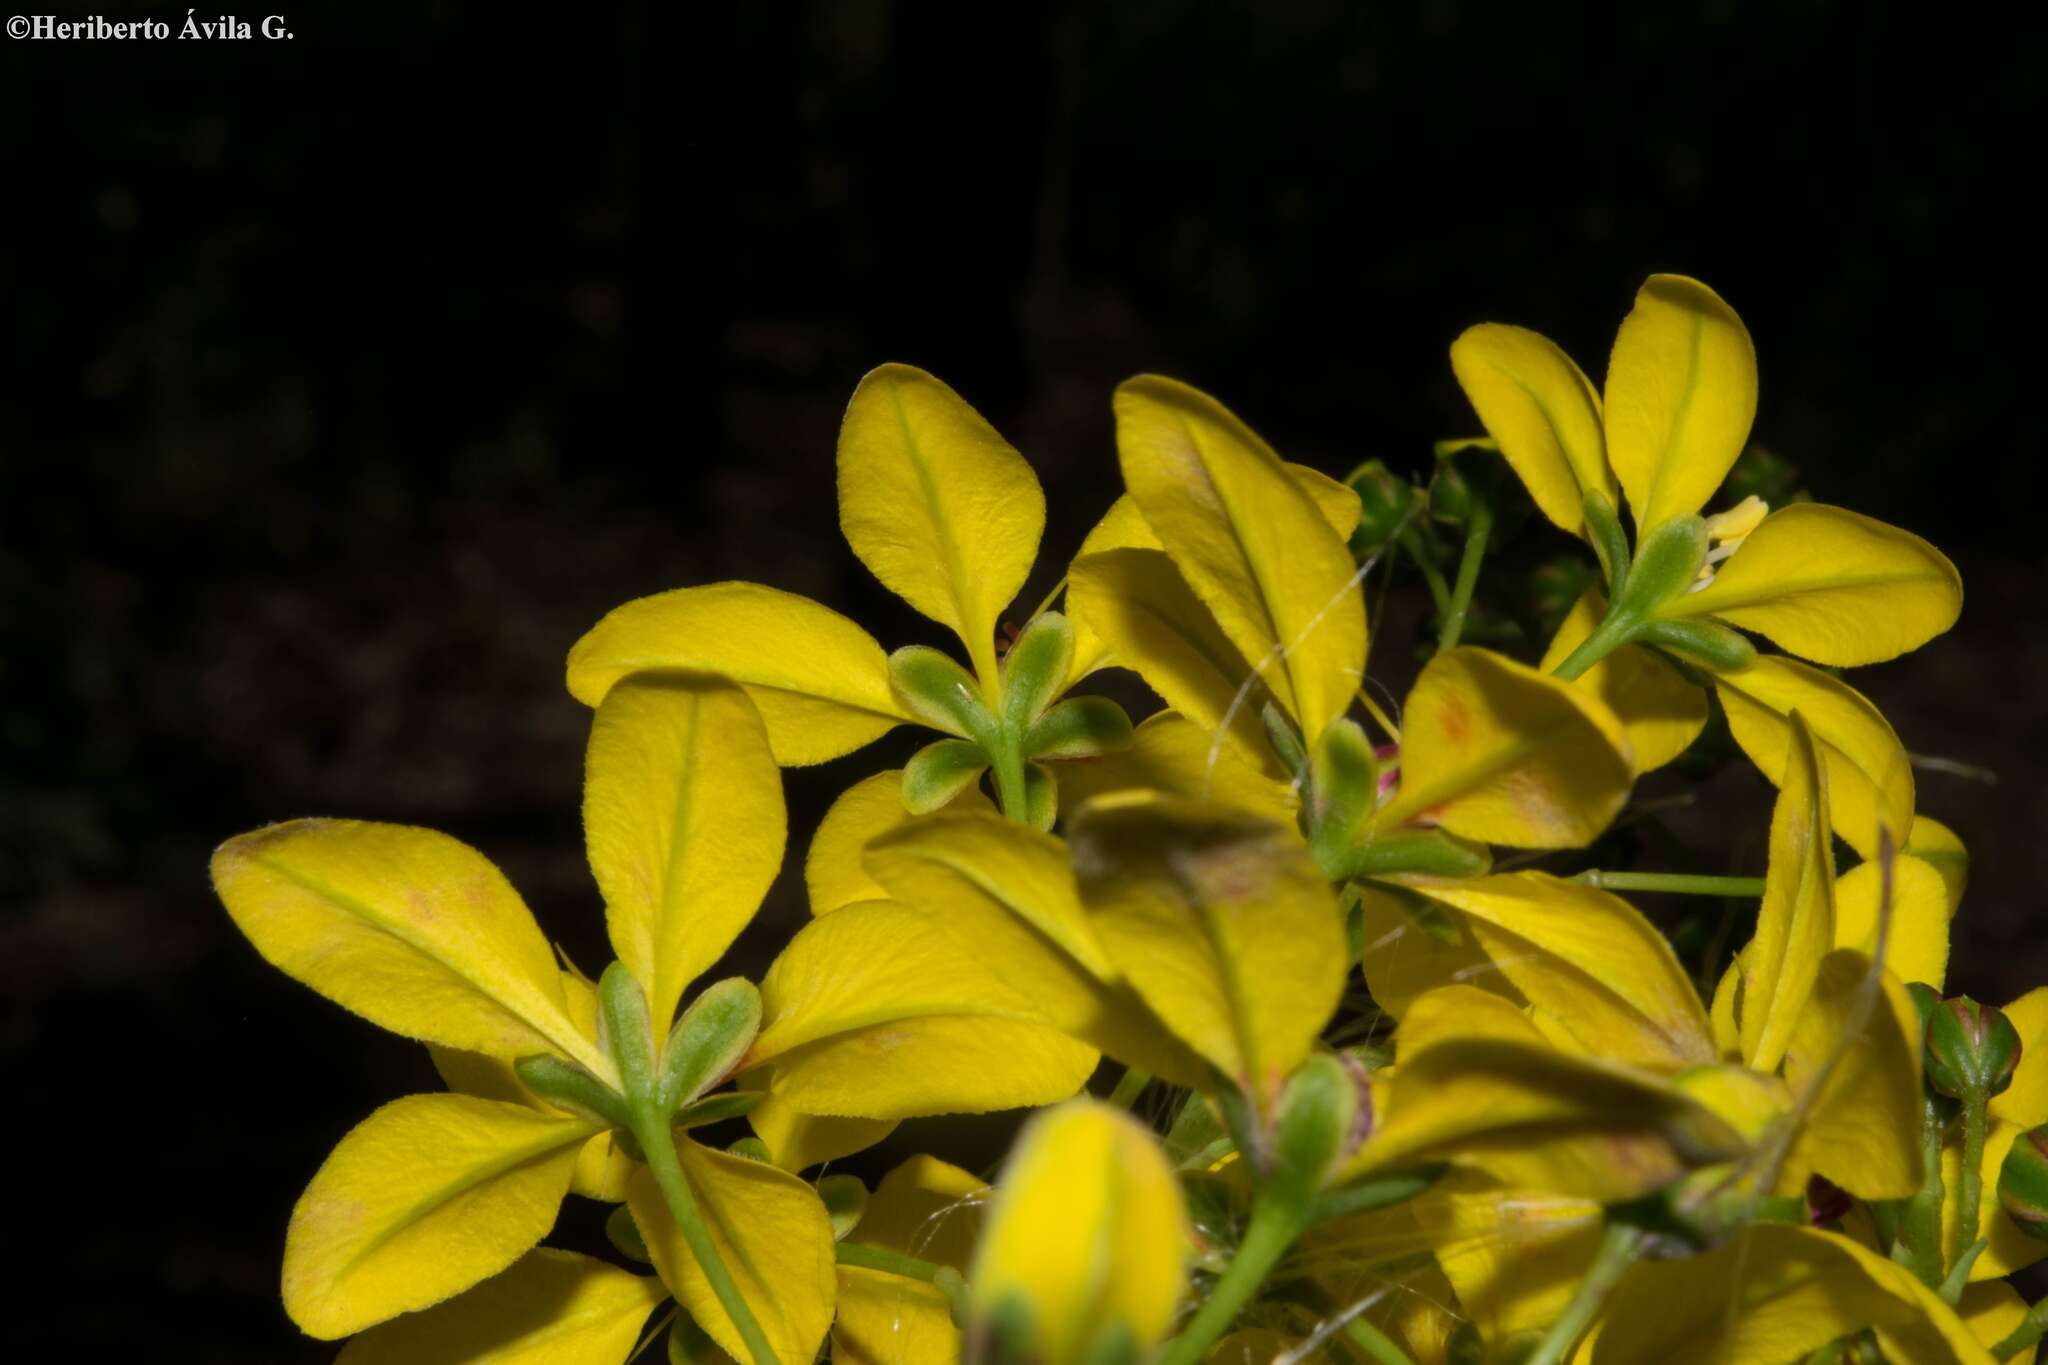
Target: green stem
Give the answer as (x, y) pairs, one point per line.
(895, 1263)
(1439, 591)
(1681, 883)
(659, 1145)
(1971, 1193)
(1916, 1244)
(1377, 1345)
(1616, 630)
(1008, 766)
(1618, 1251)
(2029, 1333)
(1267, 1237)
(1480, 527)
(1128, 1086)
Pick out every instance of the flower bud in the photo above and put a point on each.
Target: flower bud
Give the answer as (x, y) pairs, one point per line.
(1385, 500)
(2023, 1182)
(1972, 1049)
(1086, 1246)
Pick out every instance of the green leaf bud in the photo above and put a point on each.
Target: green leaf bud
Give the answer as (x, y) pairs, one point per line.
(1384, 502)
(1315, 1125)
(569, 1087)
(1343, 789)
(1972, 1050)
(939, 772)
(709, 1040)
(939, 692)
(1041, 796)
(1666, 564)
(753, 1149)
(2023, 1182)
(728, 1104)
(846, 1199)
(624, 1235)
(1702, 642)
(1079, 727)
(1035, 669)
(624, 1030)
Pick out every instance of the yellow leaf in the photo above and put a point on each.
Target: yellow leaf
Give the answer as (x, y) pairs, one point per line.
(773, 1234)
(1254, 547)
(1916, 941)
(1586, 958)
(1659, 710)
(923, 1208)
(1412, 945)
(1542, 410)
(2025, 1101)
(2010, 1249)
(1493, 750)
(1796, 923)
(874, 1011)
(1154, 625)
(820, 682)
(1223, 924)
(833, 872)
(410, 929)
(1936, 844)
(550, 1308)
(1514, 1256)
(797, 1141)
(1992, 1309)
(1859, 1076)
(1007, 896)
(421, 1200)
(1869, 781)
(1681, 394)
(1832, 586)
(682, 813)
(1170, 753)
(1776, 1293)
(1477, 1084)
(1089, 1229)
(937, 505)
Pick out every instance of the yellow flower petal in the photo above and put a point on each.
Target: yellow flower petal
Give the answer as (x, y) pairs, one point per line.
(1007, 895)
(874, 1011)
(1587, 959)
(938, 505)
(833, 872)
(683, 816)
(1659, 710)
(410, 929)
(1776, 1293)
(1223, 924)
(1933, 842)
(1796, 923)
(1170, 753)
(2009, 1248)
(421, 1200)
(1088, 1227)
(550, 1308)
(1992, 1309)
(2025, 1101)
(1916, 941)
(773, 1234)
(1542, 410)
(820, 682)
(1870, 782)
(923, 1208)
(1861, 1128)
(1681, 394)
(797, 1141)
(1153, 624)
(1254, 547)
(1477, 1084)
(1493, 750)
(1832, 586)
(1514, 1256)
(1412, 945)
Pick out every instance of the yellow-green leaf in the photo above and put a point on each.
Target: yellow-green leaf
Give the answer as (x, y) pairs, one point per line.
(1916, 938)
(550, 1308)
(411, 929)
(1170, 753)
(797, 1141)
(1089, 1229)
(1007, 895)
(1796, 923)
(1154, 625)
(1659, 710)
(421, 1200)
(874, 1011)
(1681, 394)
(1476, 1083)
(937, 504)
(1223, 924)
(1493, 750)
(1774, 1293)
(1587, 959)
(1832, 586)
(1542, 410)
(1854, 1060)
(833, 872)
(1252, 544)
(820, 682)
(683, 816)
(1869, 781)
(773, 1234)
(923, 1208)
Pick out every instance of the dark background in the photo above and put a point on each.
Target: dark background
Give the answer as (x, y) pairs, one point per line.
(348, 379)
